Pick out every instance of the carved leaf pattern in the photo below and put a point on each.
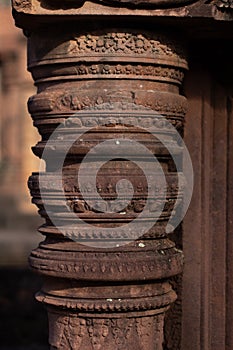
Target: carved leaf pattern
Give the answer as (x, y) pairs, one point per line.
(123, 43)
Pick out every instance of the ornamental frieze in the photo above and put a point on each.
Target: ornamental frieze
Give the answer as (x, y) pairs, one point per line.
(76, 333)
(122, 46)
(67, 101)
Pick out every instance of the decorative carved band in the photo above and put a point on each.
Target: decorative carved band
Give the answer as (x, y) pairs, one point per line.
(59, 102)
(92, 333)
(107, 46)
(110, 71)
(113, 266)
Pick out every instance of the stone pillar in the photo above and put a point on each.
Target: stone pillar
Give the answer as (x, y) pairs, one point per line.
(104, 289)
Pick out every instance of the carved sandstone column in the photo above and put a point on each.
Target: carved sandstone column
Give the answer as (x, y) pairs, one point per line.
(105, 289)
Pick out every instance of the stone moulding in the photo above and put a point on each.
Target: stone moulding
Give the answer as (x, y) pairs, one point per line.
(43, 6)
(218, 9)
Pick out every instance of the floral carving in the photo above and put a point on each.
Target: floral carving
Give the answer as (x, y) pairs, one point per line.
(123, 43)
(68, 333)
(98, 330)
(121, 331)
(135, 206)
(73, 102)
(127, 69)
(72, 331)
(65, 100)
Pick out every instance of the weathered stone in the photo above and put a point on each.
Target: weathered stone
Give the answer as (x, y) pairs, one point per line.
(115, 82)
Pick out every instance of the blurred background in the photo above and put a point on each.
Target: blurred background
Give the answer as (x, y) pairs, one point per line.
(23, 321)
